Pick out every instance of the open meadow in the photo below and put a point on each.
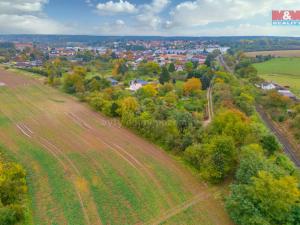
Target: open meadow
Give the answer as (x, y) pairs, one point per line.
(279, 53)
(84, 169)
(284, 71)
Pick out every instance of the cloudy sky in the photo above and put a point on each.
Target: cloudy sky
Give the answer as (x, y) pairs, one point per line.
(144, 17)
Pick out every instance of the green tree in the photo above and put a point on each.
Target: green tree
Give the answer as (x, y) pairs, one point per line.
(128, 105)
(195, 155)
(164, 76)
(149, 68)
(221, 159)
(96, 100)
(183, 120)
(235, 124)
(266, 199)
(270, 143)
(252, 161)
(147, 91)
(188, 67)
(120, 67)
(245, 102)
(274, 197)
(13, 191)
(73, 83)
(172, 68)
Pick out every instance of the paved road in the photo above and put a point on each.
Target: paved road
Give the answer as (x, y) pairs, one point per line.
(281, 137)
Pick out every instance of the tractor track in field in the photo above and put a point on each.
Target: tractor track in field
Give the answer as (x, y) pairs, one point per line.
(178, 209)
(68, 129)
(140, 145)
(55, 152)
(131, 160)
(125, 155)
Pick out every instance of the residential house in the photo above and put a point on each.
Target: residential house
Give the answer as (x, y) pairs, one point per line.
(268, 86)
(137, 84)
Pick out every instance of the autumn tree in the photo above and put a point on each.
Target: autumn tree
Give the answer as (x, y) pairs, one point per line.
(73, 83)
(13, 191)
(265, 200)
(191, 86)
(245, 102)
(195, 155)
(79, 70)
(235, 124)
(54, 70)
(119, 67)
(96, 100)
(220, 160)
(165, 88)
(275, 100)
(147, 91)
(128, 104)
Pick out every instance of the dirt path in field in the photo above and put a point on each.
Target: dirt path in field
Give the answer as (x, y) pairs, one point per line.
(63, 126)
(178, 209)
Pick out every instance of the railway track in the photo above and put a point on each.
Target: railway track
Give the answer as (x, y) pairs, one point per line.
(287, 146)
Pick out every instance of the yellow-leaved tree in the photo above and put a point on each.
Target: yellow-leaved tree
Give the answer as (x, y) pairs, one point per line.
(192, 86)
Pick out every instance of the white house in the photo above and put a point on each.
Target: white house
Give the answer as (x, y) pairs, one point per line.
(268, 86)
(179, 68)
(137, 84)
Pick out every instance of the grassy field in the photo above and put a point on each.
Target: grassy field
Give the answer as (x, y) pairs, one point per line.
(282, 53)
(85, 170)
(284, 71)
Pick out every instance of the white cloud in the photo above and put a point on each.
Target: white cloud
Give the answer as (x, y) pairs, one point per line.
(203, 12)
(21, 6)
(149, 13)
(112, 7)
(120, 22)
(157, 6)
(29, 24)
(27, 17)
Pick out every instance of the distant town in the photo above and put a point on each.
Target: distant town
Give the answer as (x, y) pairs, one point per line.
(134, 52)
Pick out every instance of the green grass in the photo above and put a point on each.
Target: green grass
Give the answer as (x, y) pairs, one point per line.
(4, 121)
(62, 191)
(284, 71)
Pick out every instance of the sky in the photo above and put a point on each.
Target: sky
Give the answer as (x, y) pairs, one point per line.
(145, 17)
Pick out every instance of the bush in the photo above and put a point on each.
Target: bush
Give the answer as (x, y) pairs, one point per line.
(270, 144)
(13, 190)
